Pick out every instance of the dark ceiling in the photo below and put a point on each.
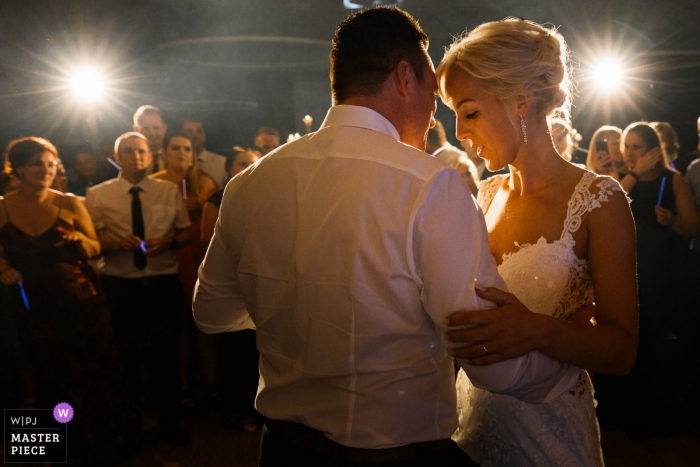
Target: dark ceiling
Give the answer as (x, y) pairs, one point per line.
(238, 65)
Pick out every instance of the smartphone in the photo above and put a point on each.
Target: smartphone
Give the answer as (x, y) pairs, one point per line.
(603, 146)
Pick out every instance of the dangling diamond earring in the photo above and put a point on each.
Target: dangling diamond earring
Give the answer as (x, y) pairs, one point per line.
(522, 127)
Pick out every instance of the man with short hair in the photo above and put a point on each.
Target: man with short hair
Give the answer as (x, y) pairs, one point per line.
(85, 173)
(149, 122)
(267, 139)
(213, 164)
(141, 222)
(349, 267)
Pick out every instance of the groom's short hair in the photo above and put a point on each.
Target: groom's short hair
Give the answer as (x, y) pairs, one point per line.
(368, 45)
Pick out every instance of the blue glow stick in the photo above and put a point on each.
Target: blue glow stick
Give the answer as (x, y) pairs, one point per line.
(24, 295)
(661, 191)
(114, 163)
(142, 246)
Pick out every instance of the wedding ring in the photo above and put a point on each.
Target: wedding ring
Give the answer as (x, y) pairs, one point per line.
(486, 351)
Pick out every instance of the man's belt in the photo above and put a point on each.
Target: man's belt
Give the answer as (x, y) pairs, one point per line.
(316, 441)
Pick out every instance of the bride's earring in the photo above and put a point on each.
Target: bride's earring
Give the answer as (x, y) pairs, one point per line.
(522, 127)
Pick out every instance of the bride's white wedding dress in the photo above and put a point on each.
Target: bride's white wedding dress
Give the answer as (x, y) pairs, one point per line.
(548, 278)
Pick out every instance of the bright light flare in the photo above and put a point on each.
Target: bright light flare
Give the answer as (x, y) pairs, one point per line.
(88, 84)
(608, 74)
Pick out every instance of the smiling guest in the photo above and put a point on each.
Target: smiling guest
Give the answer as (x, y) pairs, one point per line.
(196, 187)
(141, 221)
(63, 345)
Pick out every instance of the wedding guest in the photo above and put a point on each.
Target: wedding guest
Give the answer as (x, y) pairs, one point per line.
(692, 177)
(669, 141)
(685, 160)
(610, 161)
(437, 145)
(665, 217)
(195, 187)
(212, 164)
(239, 160)
(86, 175)
(62, 321)
(266, 140)
(141, 222)
(149, 122)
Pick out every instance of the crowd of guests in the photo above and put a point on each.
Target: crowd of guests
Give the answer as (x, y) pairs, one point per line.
(84, 331)
(99, 264)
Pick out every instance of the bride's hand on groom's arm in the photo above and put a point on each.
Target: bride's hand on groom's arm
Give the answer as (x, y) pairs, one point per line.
(508, 331)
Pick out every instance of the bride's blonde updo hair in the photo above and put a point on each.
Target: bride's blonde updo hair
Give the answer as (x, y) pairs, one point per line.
(512, 56)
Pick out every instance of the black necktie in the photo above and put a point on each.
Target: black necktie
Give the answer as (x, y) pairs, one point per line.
(137, 222)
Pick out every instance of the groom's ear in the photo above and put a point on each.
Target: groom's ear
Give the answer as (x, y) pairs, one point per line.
(402, 76)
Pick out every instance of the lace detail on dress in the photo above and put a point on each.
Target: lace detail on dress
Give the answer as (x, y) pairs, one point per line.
(488, 189)
(499, 430)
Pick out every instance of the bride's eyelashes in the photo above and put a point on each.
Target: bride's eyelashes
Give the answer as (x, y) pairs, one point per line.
(471, 115)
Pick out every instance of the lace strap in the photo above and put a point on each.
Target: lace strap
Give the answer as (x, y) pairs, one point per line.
(488, 189)
(583, 201)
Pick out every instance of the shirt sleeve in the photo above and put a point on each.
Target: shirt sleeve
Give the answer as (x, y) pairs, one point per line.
(450, 254)
(218, 304)
(92, 203)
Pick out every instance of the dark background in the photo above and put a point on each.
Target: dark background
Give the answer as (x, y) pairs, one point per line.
(238, 65)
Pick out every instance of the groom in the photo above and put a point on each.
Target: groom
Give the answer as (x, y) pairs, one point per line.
(350, 265)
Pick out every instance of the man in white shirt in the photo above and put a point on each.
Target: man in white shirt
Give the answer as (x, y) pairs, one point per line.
(213, 164)
(149, 122)
(140, 222)
(350, 265)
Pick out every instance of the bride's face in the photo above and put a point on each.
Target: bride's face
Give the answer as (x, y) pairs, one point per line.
(482, 119)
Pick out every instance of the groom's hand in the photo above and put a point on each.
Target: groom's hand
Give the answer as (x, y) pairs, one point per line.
(505, 332)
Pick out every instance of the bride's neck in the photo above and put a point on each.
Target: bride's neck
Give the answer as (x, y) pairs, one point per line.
(537, 164)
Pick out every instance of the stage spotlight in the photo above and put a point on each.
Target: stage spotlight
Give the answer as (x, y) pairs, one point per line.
(608, 74)
(87, 84)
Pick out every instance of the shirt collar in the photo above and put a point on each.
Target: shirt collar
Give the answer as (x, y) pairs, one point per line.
(126, 185)
(360, 117)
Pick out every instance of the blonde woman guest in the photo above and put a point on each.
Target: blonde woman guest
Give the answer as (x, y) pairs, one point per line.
(236, 162)
(609, 161)
(196, 187)
(504, 80)
(181, 169)
(669, 141)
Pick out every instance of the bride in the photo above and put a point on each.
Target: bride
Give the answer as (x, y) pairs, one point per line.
(561, 235)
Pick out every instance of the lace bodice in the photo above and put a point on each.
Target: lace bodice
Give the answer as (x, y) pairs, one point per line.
(500, 430)
(548, 277)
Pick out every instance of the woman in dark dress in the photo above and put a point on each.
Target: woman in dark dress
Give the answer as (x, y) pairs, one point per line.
(63, 329)
(656, 392)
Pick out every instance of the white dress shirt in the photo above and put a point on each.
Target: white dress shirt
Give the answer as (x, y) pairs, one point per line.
(348, 266)
(109, 205)
(214, 165)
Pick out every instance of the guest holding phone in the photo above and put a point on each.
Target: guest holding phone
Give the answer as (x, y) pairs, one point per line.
(665, 217)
